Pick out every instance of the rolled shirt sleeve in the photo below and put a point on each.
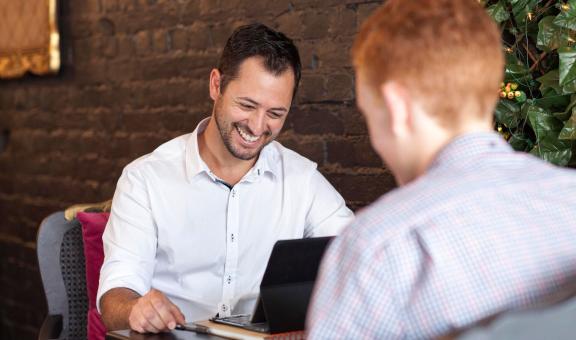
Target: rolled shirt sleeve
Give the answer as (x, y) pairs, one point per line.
(130, 238)
(328, 213)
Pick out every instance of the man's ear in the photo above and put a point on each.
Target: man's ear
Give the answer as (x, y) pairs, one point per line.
(215, 81)
(398, 106)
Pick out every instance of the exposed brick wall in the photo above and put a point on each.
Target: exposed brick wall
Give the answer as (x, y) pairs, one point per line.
(135, 75)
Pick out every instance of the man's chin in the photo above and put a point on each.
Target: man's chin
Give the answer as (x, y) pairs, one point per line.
(245, 155)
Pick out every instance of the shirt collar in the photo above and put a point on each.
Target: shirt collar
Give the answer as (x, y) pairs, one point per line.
(194, 163)
(268, 160)
(268, 163)
(469, 146)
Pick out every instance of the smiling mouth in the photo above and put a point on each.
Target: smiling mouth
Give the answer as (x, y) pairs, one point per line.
(246, 135)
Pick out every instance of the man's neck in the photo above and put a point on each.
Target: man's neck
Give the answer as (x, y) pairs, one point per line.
(432, 141)
(445, 138)
(217, 157)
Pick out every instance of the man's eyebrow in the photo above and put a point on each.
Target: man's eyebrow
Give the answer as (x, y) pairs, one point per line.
(255, 103)
(281, 109)
(252, 101)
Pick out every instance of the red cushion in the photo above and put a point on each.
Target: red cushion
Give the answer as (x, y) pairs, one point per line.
(96, 328)
(93, 225)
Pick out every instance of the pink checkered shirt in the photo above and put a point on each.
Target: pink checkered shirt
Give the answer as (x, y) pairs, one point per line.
(484, 231)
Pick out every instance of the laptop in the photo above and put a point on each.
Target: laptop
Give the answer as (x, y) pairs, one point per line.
(285, 288)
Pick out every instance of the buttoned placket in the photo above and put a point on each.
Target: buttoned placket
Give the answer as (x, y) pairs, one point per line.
(231, 262)
(232, 229)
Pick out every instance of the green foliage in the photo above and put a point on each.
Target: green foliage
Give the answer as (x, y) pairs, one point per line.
(539, 38)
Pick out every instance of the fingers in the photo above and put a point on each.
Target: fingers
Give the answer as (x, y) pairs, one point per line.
(139, 322)
(141, 318)
(155, 313)
(178, 314)
(164, 312)
(154, 319)
(148, 324)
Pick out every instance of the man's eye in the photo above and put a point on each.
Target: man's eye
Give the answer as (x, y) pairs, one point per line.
(247, 107)
(275, 115)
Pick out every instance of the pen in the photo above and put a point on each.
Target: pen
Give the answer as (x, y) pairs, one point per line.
(193, 328)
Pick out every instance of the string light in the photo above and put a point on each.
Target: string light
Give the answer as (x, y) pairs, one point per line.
(565, 7)
(530, 16)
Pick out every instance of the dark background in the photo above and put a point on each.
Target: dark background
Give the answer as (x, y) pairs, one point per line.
(135, 74)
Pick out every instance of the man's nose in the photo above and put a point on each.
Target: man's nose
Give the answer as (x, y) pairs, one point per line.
(257, 122)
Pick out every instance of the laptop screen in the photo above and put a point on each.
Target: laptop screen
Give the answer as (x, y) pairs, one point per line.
(294, 261)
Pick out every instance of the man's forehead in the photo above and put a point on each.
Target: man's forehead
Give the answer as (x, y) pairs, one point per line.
(255, 82)
(257, 64)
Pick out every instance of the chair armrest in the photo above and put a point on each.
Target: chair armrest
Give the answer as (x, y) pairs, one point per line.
(51, 327)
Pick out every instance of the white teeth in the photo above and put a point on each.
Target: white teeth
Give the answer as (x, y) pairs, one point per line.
(246, 136)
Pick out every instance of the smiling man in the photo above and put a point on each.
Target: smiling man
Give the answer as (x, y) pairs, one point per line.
(193, 223)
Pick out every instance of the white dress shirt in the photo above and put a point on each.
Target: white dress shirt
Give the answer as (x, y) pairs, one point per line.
(176, 227)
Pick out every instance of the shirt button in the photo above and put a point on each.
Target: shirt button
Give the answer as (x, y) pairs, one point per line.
(224, 308)
(229, 280)
(233, 193)
(232, 237)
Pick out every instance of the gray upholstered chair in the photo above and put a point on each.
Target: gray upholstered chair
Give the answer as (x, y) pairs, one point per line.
(62, 267)
(61, 260)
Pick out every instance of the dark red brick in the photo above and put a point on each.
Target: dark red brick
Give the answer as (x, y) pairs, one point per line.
(350, 152)
(265, 8)
(339, 87)
(311, 119)
(364, 10)
(313, 149)
(315, 24)
(290, 23)
(182, 120)
(343, 22)
(199, 38)
(362, 189)
(311, 88)
(178, 38)
(334, 54)
(110, 5)
(193, 67)
(143, 43)
(108, 47)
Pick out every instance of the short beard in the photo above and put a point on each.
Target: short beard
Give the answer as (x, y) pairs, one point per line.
(226, 129)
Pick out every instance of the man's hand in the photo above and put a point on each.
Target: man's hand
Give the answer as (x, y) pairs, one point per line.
(154, 313)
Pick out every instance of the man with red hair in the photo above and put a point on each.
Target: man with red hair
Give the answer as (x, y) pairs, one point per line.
(474, 229)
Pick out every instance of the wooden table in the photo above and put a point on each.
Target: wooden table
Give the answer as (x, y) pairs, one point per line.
(173, 335)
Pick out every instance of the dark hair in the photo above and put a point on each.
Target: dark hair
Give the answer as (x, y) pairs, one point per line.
(277, 50)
